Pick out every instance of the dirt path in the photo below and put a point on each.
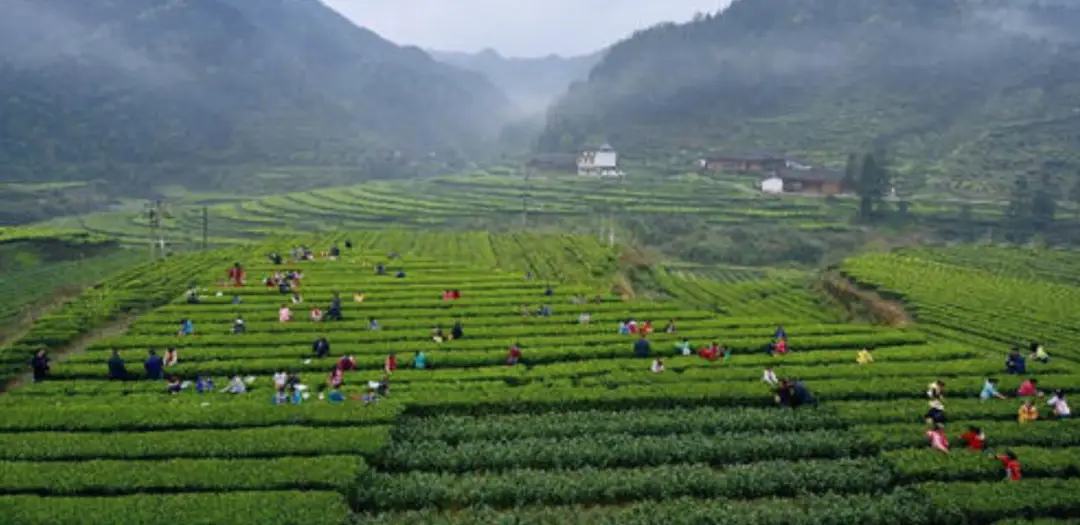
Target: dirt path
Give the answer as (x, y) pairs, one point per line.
(58, 355)
(864, 303)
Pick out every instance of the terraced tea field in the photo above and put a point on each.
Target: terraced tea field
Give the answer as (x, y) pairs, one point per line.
(463, 200)
(28, 288)
(983, 295)
(746, 291)
(580, 432)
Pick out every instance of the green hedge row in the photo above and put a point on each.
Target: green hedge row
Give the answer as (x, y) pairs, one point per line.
(265, 320)
(668, 421)
(705, 420)
(228, 444)
(480, 337)
(661, 395)
(924, 464)
(566, 394)
(612, 372)
(416, 490)
(402, 295)
(956, 373)
(112, 477)
(1049, 433)
(505, 307)
(483, 336)
(1039, 521)
(508, 300)
(142, 414)
(663, 311)
(339, 276)
(369, 357)
(815, 363)
(291, 507)
(911, 410)
(905, 507)
(985, 502)
(620, 450)
(411, 329)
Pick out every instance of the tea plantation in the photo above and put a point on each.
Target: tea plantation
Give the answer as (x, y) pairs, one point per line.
(580, 431)
(489, 200)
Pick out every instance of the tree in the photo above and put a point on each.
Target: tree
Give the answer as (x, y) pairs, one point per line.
(1044, 204)
(1074, 195)
(851, 172)
(966, 223)
(1018, 212)
(873, 185)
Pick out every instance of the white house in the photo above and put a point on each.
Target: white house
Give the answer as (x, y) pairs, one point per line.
(772, 185)
(602, 162)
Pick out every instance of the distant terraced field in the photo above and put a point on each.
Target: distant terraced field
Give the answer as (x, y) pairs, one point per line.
(485, 200)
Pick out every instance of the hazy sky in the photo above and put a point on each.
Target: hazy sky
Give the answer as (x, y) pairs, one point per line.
(516, 27)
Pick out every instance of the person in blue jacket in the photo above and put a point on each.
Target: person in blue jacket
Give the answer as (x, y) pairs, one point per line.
(154, 365)
(1015, 363)
(117, 368)
(642, 347)
(780, 333)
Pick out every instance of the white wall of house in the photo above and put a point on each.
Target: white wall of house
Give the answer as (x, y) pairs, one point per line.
(602, 163)
(772, 185)
(598, 159)
(606, 159)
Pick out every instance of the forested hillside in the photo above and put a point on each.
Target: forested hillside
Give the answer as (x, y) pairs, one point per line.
(965, 94)
(135, 90)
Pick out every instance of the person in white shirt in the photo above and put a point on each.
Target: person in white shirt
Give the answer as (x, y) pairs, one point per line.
(1061, 408)
(657, 365)
(280, 379)
(769, 377)
(236, 386)
(584, 318)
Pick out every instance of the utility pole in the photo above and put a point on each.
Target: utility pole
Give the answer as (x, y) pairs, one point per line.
(611, 229)
(155, 211)
(205, 227)
(598, 209)
(525, 197)
(151, 212)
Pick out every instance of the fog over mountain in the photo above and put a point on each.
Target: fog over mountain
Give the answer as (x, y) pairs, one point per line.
(531, 83)
(514, 28)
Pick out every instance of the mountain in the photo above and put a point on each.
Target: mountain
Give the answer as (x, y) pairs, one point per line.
(963, 94)
(532, 83)
(109, 89)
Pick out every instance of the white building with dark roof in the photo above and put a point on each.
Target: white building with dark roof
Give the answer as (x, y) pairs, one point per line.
(601, 162)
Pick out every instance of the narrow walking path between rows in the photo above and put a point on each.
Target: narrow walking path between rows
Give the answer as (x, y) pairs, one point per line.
(58, 355)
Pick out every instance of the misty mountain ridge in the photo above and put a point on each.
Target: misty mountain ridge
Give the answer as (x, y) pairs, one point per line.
(531, 83)
(220, 81)
(958, 89)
